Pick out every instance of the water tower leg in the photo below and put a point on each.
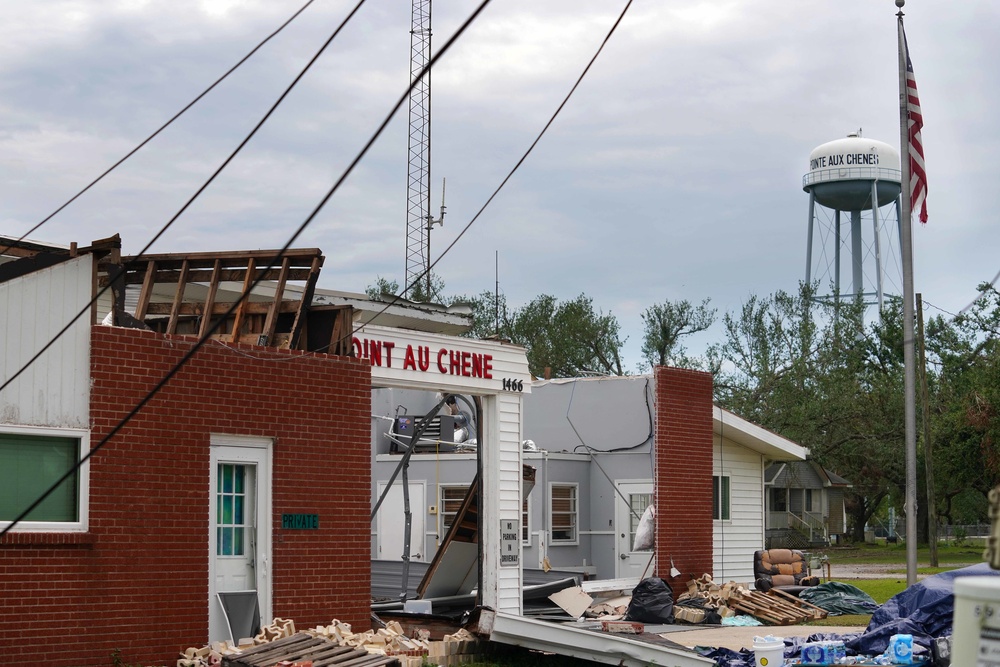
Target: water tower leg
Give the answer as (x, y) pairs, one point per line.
(809, 240)
(878, 245)
(836, 254)
(857, 254)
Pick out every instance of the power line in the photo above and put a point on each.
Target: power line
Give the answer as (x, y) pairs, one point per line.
(203, 339)
(406, 288)
(161, 128)
(197, 193)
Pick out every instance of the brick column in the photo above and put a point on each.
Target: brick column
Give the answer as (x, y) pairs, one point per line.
(683, 446)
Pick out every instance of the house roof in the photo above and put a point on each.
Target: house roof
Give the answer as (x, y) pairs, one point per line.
(773, 446)
(803, 475)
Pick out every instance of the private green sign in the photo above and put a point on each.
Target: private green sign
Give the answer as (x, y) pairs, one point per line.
(300, 521)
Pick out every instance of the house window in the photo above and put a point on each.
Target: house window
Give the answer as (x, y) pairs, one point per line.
(779, 500)
(231, 510)
(563, 512)
(31, 461)
(638, 502)
(525, 528)
(449, 503)
(720, 498)
(808, 500)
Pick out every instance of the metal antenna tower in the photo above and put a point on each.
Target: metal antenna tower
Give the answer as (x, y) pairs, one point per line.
(418, 218)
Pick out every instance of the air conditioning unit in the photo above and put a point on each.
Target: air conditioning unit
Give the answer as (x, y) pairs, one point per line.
(440, 429)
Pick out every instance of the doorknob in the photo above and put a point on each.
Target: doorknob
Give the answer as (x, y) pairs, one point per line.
(623, 556)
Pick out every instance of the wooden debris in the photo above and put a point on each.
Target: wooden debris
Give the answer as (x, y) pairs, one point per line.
(623, 627)
(817, 613)
(335, 645)
(772, 609)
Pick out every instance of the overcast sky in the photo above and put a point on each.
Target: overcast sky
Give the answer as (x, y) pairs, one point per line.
(675, 172)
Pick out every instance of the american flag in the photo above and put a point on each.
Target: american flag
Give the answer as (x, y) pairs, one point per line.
(915, 121)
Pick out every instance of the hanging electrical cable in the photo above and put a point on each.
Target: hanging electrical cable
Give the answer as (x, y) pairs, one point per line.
(204, 186)
(160, 129)
(301, 228)
(406, 288)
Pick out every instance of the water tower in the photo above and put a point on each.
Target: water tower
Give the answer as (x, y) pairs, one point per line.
(859, 177)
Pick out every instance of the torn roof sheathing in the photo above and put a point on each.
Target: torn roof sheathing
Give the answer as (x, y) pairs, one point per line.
(596, 646)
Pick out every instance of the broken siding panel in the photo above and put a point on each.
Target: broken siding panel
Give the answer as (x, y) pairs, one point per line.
(735, 541)
(54, 389)
(510, 474)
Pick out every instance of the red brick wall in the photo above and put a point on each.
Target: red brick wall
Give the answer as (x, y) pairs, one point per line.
(683, 474)
(138, 580)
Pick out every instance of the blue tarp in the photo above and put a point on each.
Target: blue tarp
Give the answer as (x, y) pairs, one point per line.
(923, 610)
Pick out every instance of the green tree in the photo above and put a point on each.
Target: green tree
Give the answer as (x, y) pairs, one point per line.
(569, 338)
(814, 372)
(964, 352)
(664, 324)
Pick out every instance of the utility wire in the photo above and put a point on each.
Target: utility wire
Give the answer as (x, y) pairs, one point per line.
(162, 127)
(396, 298)
(193, 197)
(203, 339)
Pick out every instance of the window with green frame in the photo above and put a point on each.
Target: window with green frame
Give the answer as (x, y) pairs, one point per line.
(29, 466)
(720, 498)
(231, 510)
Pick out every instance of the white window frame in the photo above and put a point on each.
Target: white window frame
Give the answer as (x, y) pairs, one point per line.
(727, 515)
(442, 528)
(553, 541)
(82, 437)
(526, 521)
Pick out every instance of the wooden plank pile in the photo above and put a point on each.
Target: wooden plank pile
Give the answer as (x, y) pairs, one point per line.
(303, 650)
(335, 645)
(776, 607)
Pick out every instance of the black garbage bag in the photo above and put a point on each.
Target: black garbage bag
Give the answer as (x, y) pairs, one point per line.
(652, 602)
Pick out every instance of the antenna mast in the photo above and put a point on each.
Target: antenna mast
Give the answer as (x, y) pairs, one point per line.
(418, 206)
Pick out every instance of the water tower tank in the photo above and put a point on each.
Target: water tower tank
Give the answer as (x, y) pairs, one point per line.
(857, 176)
(841, 173)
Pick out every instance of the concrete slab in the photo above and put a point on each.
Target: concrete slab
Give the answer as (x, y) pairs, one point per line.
(739, 637)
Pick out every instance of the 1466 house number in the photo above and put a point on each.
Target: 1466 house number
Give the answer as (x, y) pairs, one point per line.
(513, 385)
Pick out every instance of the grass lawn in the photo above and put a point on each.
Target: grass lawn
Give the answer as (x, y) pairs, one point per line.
(892, 554)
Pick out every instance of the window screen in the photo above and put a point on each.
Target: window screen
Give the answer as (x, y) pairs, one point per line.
(29, 466)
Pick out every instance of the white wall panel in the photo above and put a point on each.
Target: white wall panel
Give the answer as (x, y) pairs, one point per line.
(734, 541)
(55, 389)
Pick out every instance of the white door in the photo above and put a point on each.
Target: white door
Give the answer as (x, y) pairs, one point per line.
(390, 522)
(239, 526)
(630, 502)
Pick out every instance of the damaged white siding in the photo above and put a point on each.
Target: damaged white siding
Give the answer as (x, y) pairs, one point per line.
(55, 389)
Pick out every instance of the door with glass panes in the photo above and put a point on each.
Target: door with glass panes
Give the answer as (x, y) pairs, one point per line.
(631, 501)
(239, 533)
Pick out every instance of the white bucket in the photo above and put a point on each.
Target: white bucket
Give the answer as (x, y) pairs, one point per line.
(769, 651)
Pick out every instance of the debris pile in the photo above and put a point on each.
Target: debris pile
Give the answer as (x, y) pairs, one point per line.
(709, 602)
(279, 645)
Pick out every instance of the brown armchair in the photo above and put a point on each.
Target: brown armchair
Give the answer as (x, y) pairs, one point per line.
(784, 569)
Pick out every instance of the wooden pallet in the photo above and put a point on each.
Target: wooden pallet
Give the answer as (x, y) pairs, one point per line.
(302, 647)
(778, 609)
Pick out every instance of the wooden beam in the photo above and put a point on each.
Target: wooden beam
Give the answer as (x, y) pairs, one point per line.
(178, 299)
(226, 275)
(213, 287)
(247, 283)
(304, 304)
(343, 329)
(272, 312)
(147, 291)
(220, 308)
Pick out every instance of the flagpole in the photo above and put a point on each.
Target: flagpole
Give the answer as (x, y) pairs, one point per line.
(909, 356)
